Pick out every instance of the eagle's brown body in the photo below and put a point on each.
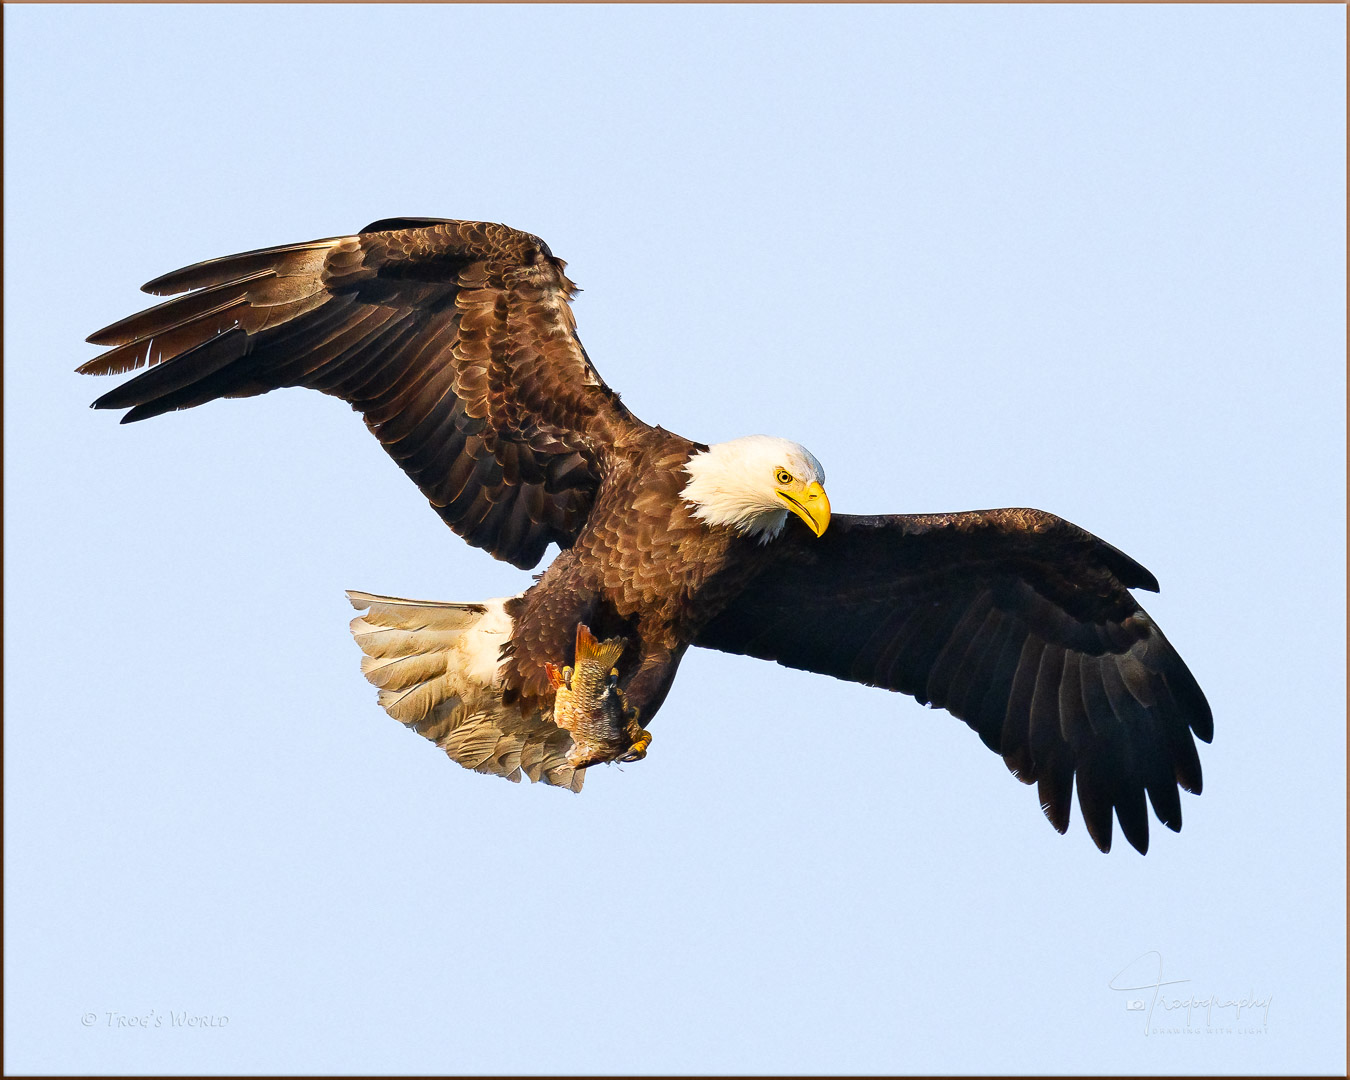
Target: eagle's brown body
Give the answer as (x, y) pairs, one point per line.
(643, 568)
(456, 342)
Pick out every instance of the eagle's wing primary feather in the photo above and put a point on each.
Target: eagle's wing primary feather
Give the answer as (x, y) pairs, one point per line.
(454, 339)
(1016, 621)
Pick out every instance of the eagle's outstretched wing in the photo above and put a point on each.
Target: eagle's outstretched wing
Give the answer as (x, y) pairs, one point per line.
(1016, 621)
(454, 339)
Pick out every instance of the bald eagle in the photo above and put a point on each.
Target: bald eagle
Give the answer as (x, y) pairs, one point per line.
(456, 342)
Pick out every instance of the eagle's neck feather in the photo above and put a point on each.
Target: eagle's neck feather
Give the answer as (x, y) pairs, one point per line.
(725, 490)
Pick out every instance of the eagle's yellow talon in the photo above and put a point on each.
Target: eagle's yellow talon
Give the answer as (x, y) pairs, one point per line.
(641, 740)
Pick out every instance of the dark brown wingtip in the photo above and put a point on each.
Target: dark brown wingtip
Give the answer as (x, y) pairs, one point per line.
(102, 402)
(162, 285)
(1060, 825)
(1102, 838)
(1056, 803)
(1131, 574)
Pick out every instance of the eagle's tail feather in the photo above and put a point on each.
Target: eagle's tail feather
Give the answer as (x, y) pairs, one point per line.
(436, 666)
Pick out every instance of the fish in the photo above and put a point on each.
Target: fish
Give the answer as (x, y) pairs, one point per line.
(589, 705)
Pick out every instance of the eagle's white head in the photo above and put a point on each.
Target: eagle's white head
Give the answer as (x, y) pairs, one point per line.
(752, 484)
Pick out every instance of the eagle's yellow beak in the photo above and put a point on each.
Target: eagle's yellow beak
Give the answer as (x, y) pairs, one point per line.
(812, 505)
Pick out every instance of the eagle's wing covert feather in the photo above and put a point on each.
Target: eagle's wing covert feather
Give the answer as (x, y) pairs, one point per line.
(1017, 622)
(454, 339)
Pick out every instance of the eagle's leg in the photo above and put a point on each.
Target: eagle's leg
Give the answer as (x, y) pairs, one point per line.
(645, 692)
(639, 738)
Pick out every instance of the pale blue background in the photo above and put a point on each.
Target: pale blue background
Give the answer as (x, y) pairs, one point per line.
(1085, 259)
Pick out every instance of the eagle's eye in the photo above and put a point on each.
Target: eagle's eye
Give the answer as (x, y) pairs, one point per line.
(783, 476)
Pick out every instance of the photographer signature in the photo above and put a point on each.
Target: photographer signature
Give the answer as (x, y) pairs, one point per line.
(1152, 980)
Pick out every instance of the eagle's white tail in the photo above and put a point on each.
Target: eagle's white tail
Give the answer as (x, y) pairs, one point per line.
(437, 665)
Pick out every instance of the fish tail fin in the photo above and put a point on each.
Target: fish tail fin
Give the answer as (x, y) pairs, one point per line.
(605, 653)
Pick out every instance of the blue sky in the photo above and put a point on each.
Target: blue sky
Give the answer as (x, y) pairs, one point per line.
(1084, 259)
